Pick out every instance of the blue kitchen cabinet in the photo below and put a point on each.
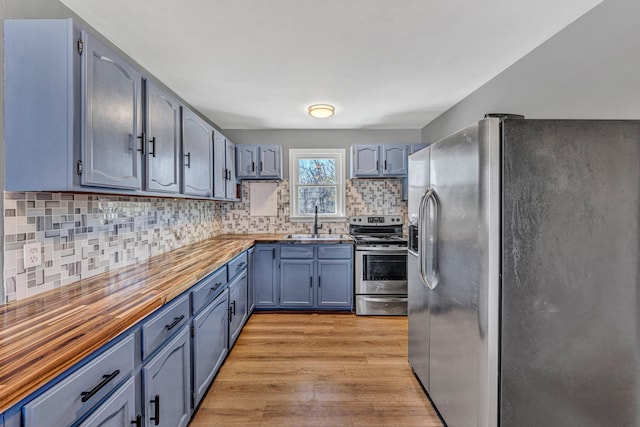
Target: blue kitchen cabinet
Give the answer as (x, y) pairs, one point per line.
(237, 306)
(365, 161)
(297, 283)
(250, 281)
(378, 161)
(167, 384)
(265, 276)
(118, 410)
(335, 283)
(162, 140)
(259, 161)
(197, 153)
(224, 179)
(411, 148)
(111, 143)
(210, 343)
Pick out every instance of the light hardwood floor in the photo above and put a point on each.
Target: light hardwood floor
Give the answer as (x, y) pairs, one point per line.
(318, 370)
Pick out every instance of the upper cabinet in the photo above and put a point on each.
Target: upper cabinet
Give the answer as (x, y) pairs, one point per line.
(112, 142)
(224, 168)
(378, 161)
(162, 147)
(197, 155)
(76, 120)
(259, 161)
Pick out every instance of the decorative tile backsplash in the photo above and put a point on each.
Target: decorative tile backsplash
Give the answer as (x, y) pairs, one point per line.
(87, 234)
(363, 196)
(84, 234)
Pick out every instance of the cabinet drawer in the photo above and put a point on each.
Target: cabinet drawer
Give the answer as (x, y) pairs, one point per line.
(63, 404)
(119, 407)
(296, 251)
(169, 320)
(335, 251)
(209, 288)
(237, 264)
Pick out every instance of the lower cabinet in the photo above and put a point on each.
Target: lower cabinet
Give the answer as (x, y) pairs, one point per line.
(237, 306)
(118, 410)
(316, 277)
(167, 384)
(210, 338)
(265, 276)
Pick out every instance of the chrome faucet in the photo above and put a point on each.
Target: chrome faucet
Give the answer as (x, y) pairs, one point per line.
(316, 227)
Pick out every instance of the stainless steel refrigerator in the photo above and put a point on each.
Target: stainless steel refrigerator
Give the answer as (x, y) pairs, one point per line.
(524, 273)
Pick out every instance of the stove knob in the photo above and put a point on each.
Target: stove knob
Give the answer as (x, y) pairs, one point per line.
(359, 219)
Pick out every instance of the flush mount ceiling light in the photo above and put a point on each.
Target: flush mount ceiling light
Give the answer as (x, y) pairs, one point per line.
(321, 111)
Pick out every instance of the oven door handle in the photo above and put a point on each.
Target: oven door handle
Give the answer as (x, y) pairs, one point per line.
(381, 251)
(428, 244)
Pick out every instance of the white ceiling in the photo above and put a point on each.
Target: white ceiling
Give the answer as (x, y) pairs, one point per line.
(384, 64)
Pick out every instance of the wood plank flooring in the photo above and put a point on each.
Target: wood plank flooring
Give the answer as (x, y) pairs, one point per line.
(318, 370)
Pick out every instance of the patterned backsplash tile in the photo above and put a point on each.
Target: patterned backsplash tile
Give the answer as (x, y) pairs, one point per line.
(86, 234)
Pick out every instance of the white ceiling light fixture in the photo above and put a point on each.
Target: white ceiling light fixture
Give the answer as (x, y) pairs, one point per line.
(321, 111)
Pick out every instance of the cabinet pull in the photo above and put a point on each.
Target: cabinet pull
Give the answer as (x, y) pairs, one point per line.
(175, 322)
(253, 166)
(216, 286)
(377, 164)
(311, 281)
(234, 308)
(142, 139)
(230, 314)
(153, 144)
(273, 252)
(138, 421)
(224, 175)
(188, 156)
(261, 169)
(385, 165)
(156, 410)
(86, 395)
(239, 266)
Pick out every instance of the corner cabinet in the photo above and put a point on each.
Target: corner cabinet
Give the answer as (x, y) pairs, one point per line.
(265, 276)
(378, 161)
(259, 161)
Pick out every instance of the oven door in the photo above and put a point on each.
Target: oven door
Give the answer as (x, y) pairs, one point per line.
(381, 271)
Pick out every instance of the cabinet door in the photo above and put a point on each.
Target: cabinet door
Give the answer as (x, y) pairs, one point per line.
(230, 164)
(111, 143)
(237, 306)
(335, 286)
(197, 147)
(269, 166)
(210, 329)
(167, 384)
(163, 140)
(265, 277)
(219, 168)
(119, 410)
(296, 283)
(394, 160)
(250, 288)
(247, 161)
(365, 160)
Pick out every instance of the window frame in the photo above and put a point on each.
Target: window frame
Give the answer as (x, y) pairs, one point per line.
(337, 154)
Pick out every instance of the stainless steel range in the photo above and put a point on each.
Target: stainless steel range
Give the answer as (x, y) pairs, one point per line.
(380, 265)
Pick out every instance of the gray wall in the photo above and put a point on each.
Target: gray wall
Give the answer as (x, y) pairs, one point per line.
(589, 70)
(313, 138)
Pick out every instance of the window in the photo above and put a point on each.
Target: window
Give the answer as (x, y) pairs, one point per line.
(317, 179)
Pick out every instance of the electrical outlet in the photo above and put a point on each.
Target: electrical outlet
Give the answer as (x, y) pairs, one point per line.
(32, 255)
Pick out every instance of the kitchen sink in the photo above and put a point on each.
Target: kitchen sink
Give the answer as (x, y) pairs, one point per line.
(318, 236)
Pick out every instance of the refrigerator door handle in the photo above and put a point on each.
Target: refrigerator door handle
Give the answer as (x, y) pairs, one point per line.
(428, 259)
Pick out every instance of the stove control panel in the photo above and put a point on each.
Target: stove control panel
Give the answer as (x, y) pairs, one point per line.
(376, 220)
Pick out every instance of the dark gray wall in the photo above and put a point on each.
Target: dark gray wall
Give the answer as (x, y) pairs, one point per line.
(313, 138)
(589, 70)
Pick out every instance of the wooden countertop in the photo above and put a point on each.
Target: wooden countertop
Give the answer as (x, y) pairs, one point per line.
(42, 336)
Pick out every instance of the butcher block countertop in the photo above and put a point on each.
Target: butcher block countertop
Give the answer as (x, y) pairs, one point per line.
(42, 336)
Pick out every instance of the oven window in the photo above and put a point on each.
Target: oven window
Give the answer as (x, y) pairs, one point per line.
(384, 267)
